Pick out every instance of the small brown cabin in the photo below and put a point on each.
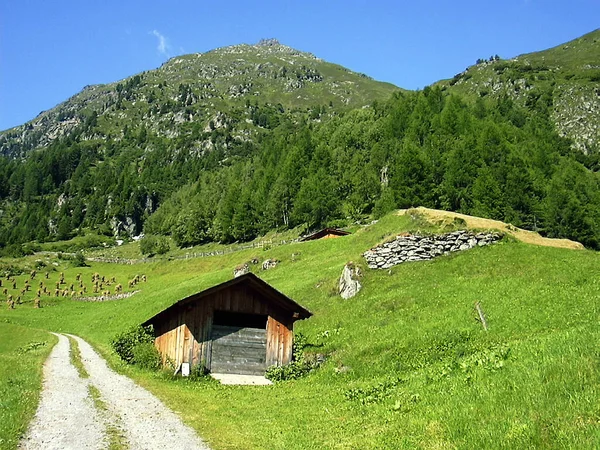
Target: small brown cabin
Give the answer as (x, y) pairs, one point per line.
(325, 233)
(241, 326)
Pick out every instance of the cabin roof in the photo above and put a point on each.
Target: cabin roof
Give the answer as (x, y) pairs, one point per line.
(267, 291)
(324, 232)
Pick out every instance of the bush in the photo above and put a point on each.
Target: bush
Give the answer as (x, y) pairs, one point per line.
(31, 247)
(154, 245)
(199, 372)
(13, 251)
(299, 367)
(146, 356)
(79, 260)
(124, 343)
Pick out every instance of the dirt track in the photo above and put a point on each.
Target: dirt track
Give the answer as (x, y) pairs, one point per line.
(67, 417)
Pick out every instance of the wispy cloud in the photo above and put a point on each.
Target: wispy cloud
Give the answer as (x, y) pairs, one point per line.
(163, 46)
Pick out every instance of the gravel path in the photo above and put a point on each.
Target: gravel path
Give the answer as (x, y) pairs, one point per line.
(67, 418)
(146, 422)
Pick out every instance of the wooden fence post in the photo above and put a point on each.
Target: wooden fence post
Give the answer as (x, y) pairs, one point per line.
(481, 316)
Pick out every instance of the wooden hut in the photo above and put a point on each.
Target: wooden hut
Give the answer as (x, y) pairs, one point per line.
(241, 326)
(325, 233)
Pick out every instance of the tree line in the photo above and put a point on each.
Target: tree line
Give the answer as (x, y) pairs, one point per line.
(490, 158)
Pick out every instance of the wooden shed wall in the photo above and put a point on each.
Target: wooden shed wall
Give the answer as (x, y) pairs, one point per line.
(185, 335)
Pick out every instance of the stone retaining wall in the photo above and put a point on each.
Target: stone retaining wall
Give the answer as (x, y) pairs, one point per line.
(104, 298)
(421, 248)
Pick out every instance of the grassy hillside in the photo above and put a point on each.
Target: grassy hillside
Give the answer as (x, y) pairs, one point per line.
(408, 365)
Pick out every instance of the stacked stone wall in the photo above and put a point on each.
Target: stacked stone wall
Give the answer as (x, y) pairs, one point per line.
(422, 248)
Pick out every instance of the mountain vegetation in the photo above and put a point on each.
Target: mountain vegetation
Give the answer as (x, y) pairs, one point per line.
(565, 77)
(225, 146)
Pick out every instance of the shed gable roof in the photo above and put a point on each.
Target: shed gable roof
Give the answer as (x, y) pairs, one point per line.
(324, 232)
(267, 291)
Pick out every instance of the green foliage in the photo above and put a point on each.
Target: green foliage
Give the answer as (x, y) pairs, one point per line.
(124, 344)
(300, 366)
(372, 394)
(154, 245)
(32, 346)
(291, 371)
(78, 243)
(146, 356)
(531, 381)
(22, 354)
(79, 260)
(199, 372)
(236, 168)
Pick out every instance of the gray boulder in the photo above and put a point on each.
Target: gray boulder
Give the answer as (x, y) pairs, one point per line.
(269, 264)
(349, 284)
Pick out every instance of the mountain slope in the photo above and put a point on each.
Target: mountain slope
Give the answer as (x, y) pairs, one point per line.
(234, 143)
(407, 362)
(222, 88)
(565, 80)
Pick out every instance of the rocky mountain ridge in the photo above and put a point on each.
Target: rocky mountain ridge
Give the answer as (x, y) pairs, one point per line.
(222, 88)
(565, 80)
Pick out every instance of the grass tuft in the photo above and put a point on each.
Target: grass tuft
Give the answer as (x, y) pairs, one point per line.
(75, 356)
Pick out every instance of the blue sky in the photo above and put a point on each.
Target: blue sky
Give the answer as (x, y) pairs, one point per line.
(49, 50)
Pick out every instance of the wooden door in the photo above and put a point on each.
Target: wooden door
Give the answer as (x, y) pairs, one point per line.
(238, 349)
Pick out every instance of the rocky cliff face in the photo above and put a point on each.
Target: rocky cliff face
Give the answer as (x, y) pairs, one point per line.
(565, 79)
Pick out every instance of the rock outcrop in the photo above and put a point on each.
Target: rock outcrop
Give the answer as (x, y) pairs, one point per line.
(349, 284)
(240, 270)
(421, 248)
(269, 264)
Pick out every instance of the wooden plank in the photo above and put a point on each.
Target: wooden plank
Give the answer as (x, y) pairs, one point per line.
(180, 333)
(228, 355)
(208, 342)
(271, 342)
(238, 350)
(188, 342)
(226, 300)
(241, 369)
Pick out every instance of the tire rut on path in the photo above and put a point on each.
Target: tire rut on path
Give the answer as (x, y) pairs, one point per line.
(147, 422)
(66, 417)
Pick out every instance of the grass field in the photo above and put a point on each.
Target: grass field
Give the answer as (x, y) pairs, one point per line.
(22, 352)
(408, 365)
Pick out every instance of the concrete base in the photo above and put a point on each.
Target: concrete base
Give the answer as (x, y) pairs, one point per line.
(241, 380)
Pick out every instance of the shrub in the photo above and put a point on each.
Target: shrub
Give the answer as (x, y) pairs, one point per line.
(299, 367)
(154, 245)
(79, 260)
(372, 394)
(199, 372)
(31, 247)
(146, 356)
(291, 371)
(124, 343)
(10, 269)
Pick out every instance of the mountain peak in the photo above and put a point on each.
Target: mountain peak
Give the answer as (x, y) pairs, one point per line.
(268, 42)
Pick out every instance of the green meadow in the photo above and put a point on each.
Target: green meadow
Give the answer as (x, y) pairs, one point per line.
(408, 365)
